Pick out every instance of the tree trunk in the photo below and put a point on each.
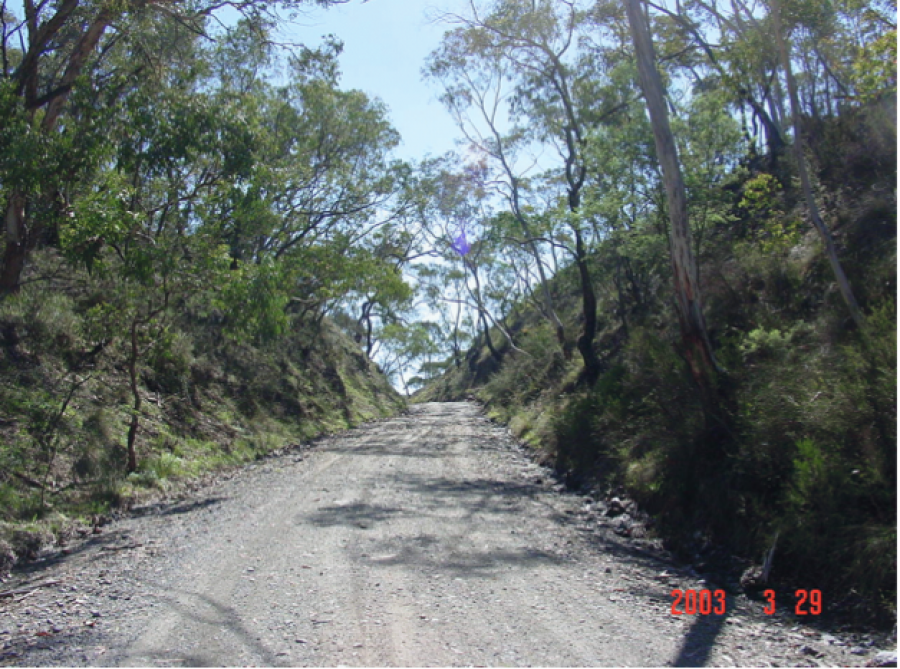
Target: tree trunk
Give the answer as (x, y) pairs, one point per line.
(18, 243)
(585, 343)
(697, 348)
(131, 465)
(495, 354)
(548, 307)
(575, 177)
(16, 236)
(818, 223)
(774, 138)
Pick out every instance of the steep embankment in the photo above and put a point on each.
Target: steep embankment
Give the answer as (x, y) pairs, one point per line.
(208, 399)
(802, 454)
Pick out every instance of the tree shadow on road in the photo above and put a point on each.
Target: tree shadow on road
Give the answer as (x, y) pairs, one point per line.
(388, 447)
(169, 509)
(219, 618)
(356, 514)
(476, 496)
(456, 558)
(109, 540)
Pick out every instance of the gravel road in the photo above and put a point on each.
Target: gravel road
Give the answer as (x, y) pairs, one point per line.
(426, 540)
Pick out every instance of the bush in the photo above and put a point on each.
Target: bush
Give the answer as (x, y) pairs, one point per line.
(582, 445)
(523, 376)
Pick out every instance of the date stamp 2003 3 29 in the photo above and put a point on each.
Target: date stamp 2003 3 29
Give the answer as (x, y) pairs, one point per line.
(705, 602)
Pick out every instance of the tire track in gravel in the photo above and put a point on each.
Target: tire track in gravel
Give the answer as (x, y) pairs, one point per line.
(425, 540)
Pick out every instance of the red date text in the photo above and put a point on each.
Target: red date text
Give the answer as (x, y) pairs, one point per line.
(692, 602)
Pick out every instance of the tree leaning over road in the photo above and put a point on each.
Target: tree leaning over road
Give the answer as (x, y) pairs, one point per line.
(60, 43)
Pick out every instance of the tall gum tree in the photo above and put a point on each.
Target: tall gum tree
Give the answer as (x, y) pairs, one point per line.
(805, 182)
(697, 347)
(537, 40)
(475, 94)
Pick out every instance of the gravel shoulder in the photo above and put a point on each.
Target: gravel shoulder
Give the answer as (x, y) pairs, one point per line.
(429, 539)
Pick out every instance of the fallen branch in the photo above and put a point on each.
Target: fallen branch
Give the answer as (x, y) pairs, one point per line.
(121, 548)
(23, 597)
(28, 590)
(30, 482)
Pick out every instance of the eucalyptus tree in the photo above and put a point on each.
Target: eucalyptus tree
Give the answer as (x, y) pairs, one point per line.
(409, 342)
(846, 53)
(170, 143)
(319, 208)
(624, 205)
(805, 182)
(561, 95)
(209, 184)
(456, 204)
(756, 36)
(476, 97)
(51, 51)
(697, 347)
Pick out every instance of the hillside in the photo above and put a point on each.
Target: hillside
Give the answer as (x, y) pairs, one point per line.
(208, 400)
(807, 447)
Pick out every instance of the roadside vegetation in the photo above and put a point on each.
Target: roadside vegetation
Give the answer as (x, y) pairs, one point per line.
(756, 408)
(666, 256)
(181, 236)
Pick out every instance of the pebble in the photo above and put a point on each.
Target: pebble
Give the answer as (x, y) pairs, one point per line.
(857, 650)
(886, 658)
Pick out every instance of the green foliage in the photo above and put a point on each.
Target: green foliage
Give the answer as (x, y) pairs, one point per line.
(875, 67)
(526, 374)
(197, 215)
(760, 194)
(811, 452)
(254, 301)
(581, 430)
(772, 230)
(66, 397)
(770, 344)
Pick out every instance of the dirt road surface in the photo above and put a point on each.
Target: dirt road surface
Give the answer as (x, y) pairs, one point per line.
(426, 540)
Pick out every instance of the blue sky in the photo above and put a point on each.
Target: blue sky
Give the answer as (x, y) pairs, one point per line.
(385, 45)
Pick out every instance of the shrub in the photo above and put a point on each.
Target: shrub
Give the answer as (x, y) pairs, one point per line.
(523, 376)
(582, 444)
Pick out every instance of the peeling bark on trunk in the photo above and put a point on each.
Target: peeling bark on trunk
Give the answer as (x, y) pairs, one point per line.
(697, 348)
